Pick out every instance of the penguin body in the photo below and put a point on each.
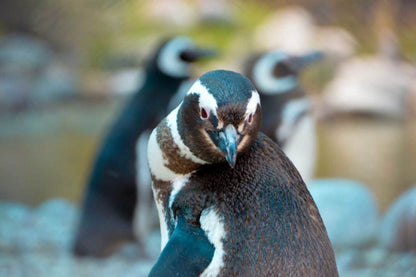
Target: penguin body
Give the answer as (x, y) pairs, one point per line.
(213, 171)
(111, 194)
(285, 106)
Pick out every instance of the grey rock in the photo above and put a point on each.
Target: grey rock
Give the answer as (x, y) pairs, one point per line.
(375, 257)
(359, 273)
(55, 83)
(9, 265)
(153, 245)
(50, 226)
(398, 228)
(12, 217)
(31, 73)
(41, 236)
(139, 269)
(126, 81)
(348, 209)
(23, 52)
(36, 242)
(348, 259)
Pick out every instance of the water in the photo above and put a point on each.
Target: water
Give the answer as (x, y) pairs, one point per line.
(48, 153)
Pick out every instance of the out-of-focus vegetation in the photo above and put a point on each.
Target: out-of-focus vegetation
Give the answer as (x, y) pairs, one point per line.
(96, 30)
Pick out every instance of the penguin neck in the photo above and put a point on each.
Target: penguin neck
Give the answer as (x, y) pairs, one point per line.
(156, 84)
(272, 119)
(154, 76)
(292, 112)
(169, 158)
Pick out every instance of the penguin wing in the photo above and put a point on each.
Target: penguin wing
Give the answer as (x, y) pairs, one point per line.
(187, 253)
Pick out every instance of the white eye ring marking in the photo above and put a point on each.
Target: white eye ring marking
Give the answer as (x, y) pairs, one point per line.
(263, 76)
(204, 113)
(169, 60)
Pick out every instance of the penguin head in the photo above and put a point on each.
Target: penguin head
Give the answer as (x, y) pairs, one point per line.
(220, 116)
(175, 56)
(276, 72)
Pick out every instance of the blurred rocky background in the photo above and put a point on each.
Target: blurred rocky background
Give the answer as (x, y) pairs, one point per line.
(66, 67)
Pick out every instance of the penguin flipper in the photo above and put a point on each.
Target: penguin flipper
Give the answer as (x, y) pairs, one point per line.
(187, 253)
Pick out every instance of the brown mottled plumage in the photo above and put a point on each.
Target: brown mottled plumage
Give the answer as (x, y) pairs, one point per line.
(271, 226)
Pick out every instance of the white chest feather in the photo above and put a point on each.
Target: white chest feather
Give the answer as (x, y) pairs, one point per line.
(157, 166)
(163, 225)
(301, 147)
(213, 227)
(176, 188)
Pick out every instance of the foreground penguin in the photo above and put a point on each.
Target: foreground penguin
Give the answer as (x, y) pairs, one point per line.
(111, 196)
(230, 202)
(285, 106)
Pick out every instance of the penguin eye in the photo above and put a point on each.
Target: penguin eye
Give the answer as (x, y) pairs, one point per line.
(282, 70)
(204, 113)
(250, 118)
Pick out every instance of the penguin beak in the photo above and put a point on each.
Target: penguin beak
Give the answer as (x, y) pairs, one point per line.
(227, 143)
(301, 62)
(192, 55)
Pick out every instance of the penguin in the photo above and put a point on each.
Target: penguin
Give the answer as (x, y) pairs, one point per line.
(230, 202)
(286, 111)
(108, 211)
(285, 105)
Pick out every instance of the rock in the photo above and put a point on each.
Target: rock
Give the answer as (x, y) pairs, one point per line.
(47, 264)
(375, 257)
(139, 269)
(22, 60)
(398, 228)
(48, 255)
(23, 52)
(215, 11)
(56, 83)
(36, 243)
(31, 73)
(126, 81)
(290, 29)
(293, 29)
(9, 265)
(153, 245)
(371, 85)
(12, 216)
(171, 12)
(375, 262)
(49, 227)
(348, 209)
(348, 259)
(361, 273)
(337, 43)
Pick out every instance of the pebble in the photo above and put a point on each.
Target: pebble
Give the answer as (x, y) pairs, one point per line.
(36, 242)
(43, 250)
